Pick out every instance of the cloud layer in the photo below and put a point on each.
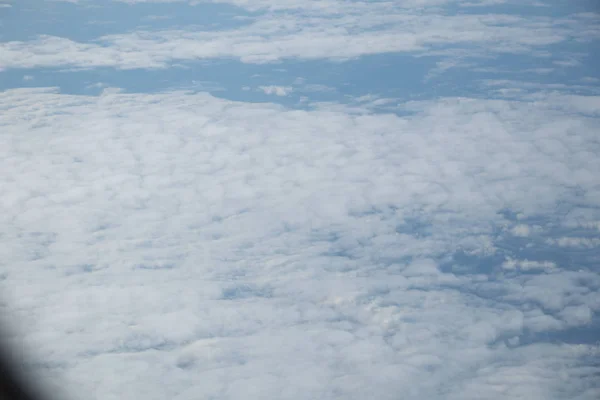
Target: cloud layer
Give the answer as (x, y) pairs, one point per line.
(357, 29)
(179, 245)
(183, 246)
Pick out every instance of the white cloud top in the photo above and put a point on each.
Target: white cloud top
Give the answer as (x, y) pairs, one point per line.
(385, 240)
(276, 90)
(362, 29)
(182, 246)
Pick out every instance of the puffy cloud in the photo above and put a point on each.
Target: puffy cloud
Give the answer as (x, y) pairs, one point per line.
(276, 90)
(521, 230)
(527, 265)
(184, 246)
(178, 245)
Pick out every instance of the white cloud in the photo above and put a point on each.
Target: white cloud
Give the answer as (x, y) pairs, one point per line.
(567, 63)
(525, 230)
(590, 224)
(577, 315)
(527, 265)
(315, 87)
(276, 90)
(494, 70)
(521, 230)
(332, 6)
(581, 242)
(181, 246)
(445, 65)
(97, 85)
(157, 17)
(357, 31)
(372, 102)
(482, 3)
(541, 71)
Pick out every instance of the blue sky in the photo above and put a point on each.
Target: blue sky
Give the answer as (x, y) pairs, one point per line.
(302, 199)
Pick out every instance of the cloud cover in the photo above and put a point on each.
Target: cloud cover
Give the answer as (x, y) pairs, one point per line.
(336, 31)
(178, 245)
(184, 246)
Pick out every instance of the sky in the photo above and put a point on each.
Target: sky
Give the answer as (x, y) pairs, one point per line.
(301, 199)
